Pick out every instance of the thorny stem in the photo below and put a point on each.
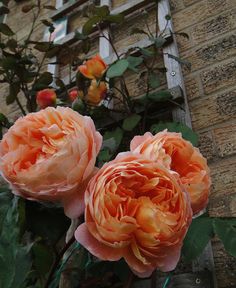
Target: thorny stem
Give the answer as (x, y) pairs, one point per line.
(57, 261)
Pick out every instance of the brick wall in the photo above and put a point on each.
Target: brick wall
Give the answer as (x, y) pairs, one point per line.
(211, 91)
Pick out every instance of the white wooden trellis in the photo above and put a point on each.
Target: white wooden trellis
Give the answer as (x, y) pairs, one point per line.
(174, 78)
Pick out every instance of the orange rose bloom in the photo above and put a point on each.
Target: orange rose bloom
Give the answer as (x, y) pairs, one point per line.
(179, 155)
(49, 155)
(93, 68)
(96, 92)
(135, 209)
(45, 98)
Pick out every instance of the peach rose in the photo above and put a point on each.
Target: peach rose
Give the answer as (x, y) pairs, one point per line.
(93, 68)
(45, 98)
(179, 155)
(96, 92)
(135, 209)
(49, 155)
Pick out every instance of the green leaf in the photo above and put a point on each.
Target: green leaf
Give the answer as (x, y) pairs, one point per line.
(104, 155)
(116, 134)
(199, 234)
(89, 25)
(47, 222)
(15, 259)
(226, 231)
(43, 258)
(160, 96)
(6, 30)
(80, 36)
(86, 45)
(4, 122)
(134, 62)
(131, 122)
(9, 63)
(14, 89)
(43, 46)
(44, 80)
(154, 80)
(117, 18)
(147, 52)
(187, 133)
(118, 68)
(4, 10)
(159, 41)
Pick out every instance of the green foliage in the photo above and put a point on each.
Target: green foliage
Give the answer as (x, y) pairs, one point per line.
(6, 30)
(15, 259)
(160, 96)
(118, 68)
(187, 133)
(199, 234)
(134, 62)
(226, 231)
(131, 122)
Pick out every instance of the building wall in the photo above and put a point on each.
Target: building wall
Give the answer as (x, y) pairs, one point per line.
(211, 91)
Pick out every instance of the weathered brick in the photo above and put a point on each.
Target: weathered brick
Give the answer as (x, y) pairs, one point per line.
(189, 2)
(206, 145)
(176, 5)
(221, 76)
(192, 87)
(213, 109)
(200, 11)
(225, 266)
(220, 24)
(225, 138)
(212, 52)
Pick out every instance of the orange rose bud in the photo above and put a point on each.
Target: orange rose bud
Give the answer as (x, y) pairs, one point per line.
(135, 209)
(45, 98)
(96, 92)
(179, 155)
(93, 68)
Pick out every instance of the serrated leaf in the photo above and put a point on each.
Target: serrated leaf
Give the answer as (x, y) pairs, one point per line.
(160, 96)
(199, 234)
(6, 30)
(147, 52)
(226, 231)
(118, 68)
(44, 80)
(131, 122)
(187, 133)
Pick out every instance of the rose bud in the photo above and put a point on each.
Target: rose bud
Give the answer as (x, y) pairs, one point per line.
(45, 98)
(96, 92)
(93, 68)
